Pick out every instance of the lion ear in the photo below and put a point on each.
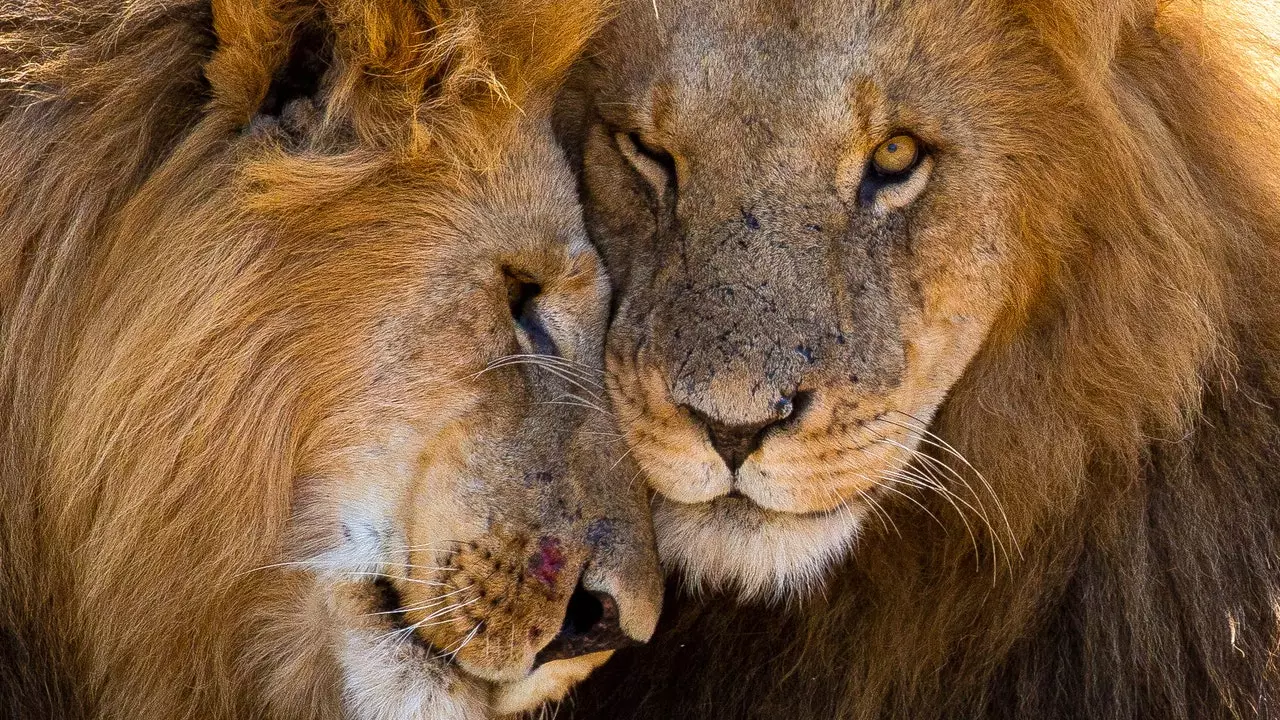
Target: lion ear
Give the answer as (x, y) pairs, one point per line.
(363, 67)
(394, 71)
(268, 55)
(302, 69)
(533, 42)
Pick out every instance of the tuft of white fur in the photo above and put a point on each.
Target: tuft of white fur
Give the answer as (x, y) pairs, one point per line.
(549, 683)
(757, 554)
(396, 681)
(385, 676)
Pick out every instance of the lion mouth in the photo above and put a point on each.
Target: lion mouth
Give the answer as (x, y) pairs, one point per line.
(736, 500)
(388, 604)
(737, 505)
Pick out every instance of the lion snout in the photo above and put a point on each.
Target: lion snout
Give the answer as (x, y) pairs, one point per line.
(591, 624)
(503, 606)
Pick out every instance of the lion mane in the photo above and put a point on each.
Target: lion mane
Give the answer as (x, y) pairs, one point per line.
(1129, 426)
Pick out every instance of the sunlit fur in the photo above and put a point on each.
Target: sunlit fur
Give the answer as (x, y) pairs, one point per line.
(1123, 404)
(261, 385)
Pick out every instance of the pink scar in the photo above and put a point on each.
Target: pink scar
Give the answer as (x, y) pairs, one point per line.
(545, 565)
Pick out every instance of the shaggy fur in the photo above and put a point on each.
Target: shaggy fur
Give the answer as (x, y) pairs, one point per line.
(1104, 201)
(271, 276)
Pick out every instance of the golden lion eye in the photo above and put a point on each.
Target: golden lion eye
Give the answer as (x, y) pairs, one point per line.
(896, 155)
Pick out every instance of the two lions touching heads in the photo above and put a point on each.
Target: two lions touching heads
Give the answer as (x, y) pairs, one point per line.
(358, 355)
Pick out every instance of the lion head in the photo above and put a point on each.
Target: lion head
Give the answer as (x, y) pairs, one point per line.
(983, 290)
(300, 374)
(827, 220)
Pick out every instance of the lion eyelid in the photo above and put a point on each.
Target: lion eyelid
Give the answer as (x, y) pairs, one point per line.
(656, 166)
(887, 197)
(522, 301)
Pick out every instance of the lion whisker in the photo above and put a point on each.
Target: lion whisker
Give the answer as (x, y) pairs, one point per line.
(930, 483)
(575, 402)
(324, 565)
(588, 403)
(575, 380)
(433, 602)
(408, 631)
(930, 465)
(437, 623)
(881, 514)
(618, 462)
(431, 583)
(419, 548)
(568, 373)
(632, 482)
(556, 359)
(594, 401)
(996, 538)
(451, 608)
(425, 567)
(879, 483)
(937, 441)
(466, 641)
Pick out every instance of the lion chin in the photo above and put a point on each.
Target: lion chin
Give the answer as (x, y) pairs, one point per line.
(733, 544)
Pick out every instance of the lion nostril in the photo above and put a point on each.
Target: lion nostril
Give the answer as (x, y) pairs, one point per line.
(735, 443)
(584, 611)
(783, 408)
(800, 403)
(591, 624)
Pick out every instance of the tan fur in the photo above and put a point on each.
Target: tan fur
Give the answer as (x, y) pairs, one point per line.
(1076, 294)
(253, 385)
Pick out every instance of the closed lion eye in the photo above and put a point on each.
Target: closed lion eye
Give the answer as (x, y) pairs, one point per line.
(654, 164)
(522, 296)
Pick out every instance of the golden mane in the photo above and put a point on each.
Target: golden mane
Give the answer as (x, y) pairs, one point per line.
(135, 400)
(1126, 418)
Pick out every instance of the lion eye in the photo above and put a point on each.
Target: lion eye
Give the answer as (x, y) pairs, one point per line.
(655, 165)
(522, 295)
(896, 156)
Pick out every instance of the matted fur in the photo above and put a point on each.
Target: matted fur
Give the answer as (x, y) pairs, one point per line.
(1124, 406)
(256, 264)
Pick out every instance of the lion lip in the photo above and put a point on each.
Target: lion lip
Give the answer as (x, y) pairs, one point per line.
(736, 500)
(388, 599)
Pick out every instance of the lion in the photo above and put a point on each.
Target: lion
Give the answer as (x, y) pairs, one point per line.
(950, 326)
(302, 337)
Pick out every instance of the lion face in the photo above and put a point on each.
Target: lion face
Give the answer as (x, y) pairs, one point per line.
(478, 534)
(466, 523)
(810, 217)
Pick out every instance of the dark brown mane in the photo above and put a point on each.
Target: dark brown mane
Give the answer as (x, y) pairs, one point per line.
(1128, 420)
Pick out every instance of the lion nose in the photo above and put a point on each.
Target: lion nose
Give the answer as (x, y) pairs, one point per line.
(591, 624)
(735, 443)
